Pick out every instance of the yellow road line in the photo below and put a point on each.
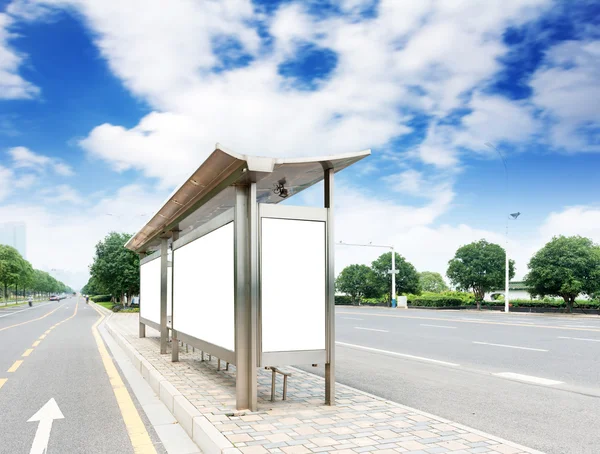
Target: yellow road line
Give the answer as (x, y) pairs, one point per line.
(35, 344)
(35, 319)
(16, 365)
(48, 331)
(472, 321)
(140, 440)
(2, 381)
(43, 336)
(28, 352)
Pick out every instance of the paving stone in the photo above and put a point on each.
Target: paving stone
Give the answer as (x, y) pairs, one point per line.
(358, 422)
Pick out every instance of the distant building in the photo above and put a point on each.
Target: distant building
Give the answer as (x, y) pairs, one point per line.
(14, 234)
(518, 291)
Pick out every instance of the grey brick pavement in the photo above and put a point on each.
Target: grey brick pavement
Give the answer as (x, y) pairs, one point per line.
(358, 423)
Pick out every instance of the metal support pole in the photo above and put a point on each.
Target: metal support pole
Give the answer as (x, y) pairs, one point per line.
(329, 294)
(164, 269)
(393, 278)
(174, 341)
(507, 277)
(142, 327)
(246, 295)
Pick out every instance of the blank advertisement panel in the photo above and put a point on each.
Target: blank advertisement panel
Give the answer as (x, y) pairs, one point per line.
(292, 285)
(150, 290)
(203, 297)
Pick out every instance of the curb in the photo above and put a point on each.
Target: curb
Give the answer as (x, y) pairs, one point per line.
(200, 430)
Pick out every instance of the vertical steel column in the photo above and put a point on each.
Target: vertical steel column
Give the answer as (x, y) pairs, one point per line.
(174, 341)
(164, 269)
(245, 281)
(329, 294)
(142, 327)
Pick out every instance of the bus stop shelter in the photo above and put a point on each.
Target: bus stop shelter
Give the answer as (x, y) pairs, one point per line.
(228, 269)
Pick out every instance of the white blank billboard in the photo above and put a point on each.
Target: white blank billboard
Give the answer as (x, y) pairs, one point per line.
(203, 283)
(150, 290)
(293, 285)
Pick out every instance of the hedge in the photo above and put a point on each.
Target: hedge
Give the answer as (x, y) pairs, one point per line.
(436, 301)
(101, 298)
(583, 304)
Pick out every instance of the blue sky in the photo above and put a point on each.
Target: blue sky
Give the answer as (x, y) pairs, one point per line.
(105, 107)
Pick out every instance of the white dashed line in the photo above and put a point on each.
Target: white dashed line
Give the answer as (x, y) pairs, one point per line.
(402, 355)
(439, 326)
(579, 339)
(351, 318)
(372, 329)
(511, 346)
(528, 378)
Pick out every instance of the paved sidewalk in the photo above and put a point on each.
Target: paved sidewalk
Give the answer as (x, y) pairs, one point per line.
(359, 422)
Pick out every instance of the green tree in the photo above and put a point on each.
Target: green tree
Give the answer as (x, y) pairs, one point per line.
(565, 267)
(357, 281)
(480, 267)
(432, 282)
(115, 268)
(407, 279)
(11, 266)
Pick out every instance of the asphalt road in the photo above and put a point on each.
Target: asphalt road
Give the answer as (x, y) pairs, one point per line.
(527, 378)
(65, 366)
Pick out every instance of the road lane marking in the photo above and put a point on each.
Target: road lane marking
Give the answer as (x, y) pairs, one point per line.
(23, 310)
(138, 435)
(402, 355)
(372, 329)
(43, 336)
(2, 381)
(45, 416)
(580, 339)
(48, 331)
(511, 346)
(16, 365)
(351, 318)
(35, 344)
(528, 378)
(439, 326)
(29, 321)
(573, 328)
(28, 352)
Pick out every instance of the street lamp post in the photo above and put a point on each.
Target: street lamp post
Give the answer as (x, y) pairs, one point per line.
(393, 271)
(512, 216)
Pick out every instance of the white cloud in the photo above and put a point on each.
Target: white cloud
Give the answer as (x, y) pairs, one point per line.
(63, 194)
(567, 89)
(65, 239)
(26, 181)
(577, 220)
(23, 157)
(6, 181)
(496, 119)
(12, 85)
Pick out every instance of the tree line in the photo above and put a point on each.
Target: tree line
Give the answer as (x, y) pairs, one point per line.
(565, 267)
(114, 270)
(18, 277)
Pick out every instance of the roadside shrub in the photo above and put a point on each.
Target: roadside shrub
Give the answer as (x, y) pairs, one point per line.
(343, 300)
(116, 308)
(101, 298)
(373, 301)
(436, 301)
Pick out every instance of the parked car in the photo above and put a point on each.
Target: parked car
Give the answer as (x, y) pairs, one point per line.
(54, 298)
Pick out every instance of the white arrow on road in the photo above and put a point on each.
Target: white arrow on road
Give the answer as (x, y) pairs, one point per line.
(45, 416)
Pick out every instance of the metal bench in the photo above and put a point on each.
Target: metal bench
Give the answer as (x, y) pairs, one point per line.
(274, 372)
